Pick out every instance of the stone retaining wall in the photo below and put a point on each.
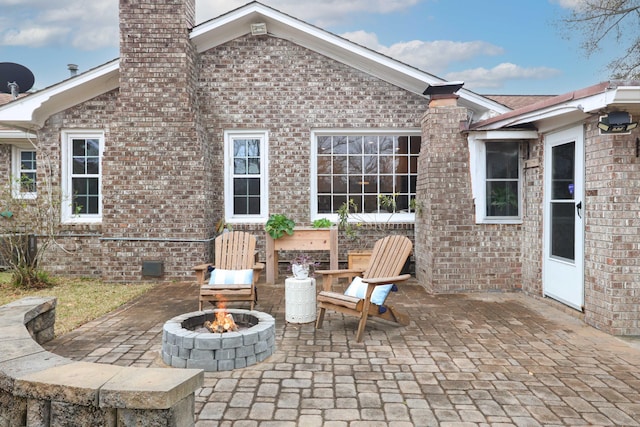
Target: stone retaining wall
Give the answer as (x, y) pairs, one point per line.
(39, 388)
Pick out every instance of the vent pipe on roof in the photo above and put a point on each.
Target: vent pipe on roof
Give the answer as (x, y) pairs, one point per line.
(73, 69)
(14, 89)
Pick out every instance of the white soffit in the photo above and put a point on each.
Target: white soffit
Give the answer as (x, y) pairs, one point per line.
(15, 135)
(31, 111)
(506, 134)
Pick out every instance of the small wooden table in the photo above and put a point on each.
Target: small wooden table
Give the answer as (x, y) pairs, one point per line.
(302, 239)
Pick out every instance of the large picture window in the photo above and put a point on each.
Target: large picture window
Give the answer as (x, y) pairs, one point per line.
(245, 176)
(82, 176)
(370, 168)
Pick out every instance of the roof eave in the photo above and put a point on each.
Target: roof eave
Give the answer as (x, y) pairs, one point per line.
(30, 112)
(572, 106)
(15, 135)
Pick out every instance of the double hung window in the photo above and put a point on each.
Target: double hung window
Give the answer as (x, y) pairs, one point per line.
(82, 176)
(502, 179)
(24, 173)
(246, 176)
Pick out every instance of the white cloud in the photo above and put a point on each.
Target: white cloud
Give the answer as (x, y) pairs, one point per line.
(83, 24)
(496, 77)
(91, 24)
(569, 4)
(320, 13)
(432, 56)
(438, 56)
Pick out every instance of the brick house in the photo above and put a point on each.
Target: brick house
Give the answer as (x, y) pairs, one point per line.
(256, 112)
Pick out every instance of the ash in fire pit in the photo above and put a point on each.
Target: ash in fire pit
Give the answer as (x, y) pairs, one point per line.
(186, 343)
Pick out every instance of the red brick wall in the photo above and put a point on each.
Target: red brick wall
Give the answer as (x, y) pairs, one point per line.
(612, 227)
(77, 250)
(162, 167)
(532, 237)
(453, 253)
(5, 162)
(153, 170)
(273, 84)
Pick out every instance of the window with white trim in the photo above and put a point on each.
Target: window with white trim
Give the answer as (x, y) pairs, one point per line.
(82, 176)
(24, 172)
(246, 176)
(378, 170)
(502, 180)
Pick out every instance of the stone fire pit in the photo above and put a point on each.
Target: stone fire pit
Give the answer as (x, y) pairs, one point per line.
(186, 345)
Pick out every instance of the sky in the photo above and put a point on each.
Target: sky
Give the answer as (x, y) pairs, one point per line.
(494, 46)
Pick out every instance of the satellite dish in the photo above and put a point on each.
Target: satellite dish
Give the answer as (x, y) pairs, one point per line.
(15, 78)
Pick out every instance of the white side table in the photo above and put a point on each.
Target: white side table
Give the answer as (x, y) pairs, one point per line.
(300, 300)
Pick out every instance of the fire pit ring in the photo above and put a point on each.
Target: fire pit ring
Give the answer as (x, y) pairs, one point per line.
(182, 347)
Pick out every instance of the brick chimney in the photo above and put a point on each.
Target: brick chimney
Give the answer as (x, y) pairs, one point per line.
(152, 164)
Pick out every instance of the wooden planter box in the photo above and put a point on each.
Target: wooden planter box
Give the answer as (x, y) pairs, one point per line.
(302, 239)
(358, 259)
(361, 260)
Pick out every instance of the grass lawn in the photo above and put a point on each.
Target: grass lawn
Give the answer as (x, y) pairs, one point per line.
(79, 300)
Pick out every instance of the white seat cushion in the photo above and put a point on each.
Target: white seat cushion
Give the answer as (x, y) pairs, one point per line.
(231, 277)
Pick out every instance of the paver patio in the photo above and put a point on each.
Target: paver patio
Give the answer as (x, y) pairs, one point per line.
(465, 360)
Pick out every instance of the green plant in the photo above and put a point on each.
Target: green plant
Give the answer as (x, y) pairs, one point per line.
(348, 208)
(322, 223)
(222, 225)
(416, 206)
(278, 224)
(388, 202)
(504, 199)
(350, 220)
(28, 228)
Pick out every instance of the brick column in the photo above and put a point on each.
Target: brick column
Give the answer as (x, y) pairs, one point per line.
(443, 185)
(153, 174)
(612, 230)
(453, 253)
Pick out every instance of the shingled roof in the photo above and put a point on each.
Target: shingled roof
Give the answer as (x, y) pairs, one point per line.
(518, 101)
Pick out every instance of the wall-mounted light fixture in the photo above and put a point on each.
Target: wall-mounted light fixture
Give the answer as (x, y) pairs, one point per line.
(258, 29)
(616, 122)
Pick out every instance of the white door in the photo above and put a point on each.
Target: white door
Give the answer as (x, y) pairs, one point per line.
(563, 266)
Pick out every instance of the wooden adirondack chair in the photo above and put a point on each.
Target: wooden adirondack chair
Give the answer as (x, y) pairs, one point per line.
(387, 260)
(234, 252)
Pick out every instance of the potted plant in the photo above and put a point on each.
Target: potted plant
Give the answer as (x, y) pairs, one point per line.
(278, 224)
(282, 235)
(322, 223)
(302, 266)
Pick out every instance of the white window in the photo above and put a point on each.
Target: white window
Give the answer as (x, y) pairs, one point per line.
(498, 181)
(82, 176)
(23, 165)
(502, 180)
(246, 179)
(372, 168)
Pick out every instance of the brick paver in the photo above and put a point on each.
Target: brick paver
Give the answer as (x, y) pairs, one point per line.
(501, 359)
